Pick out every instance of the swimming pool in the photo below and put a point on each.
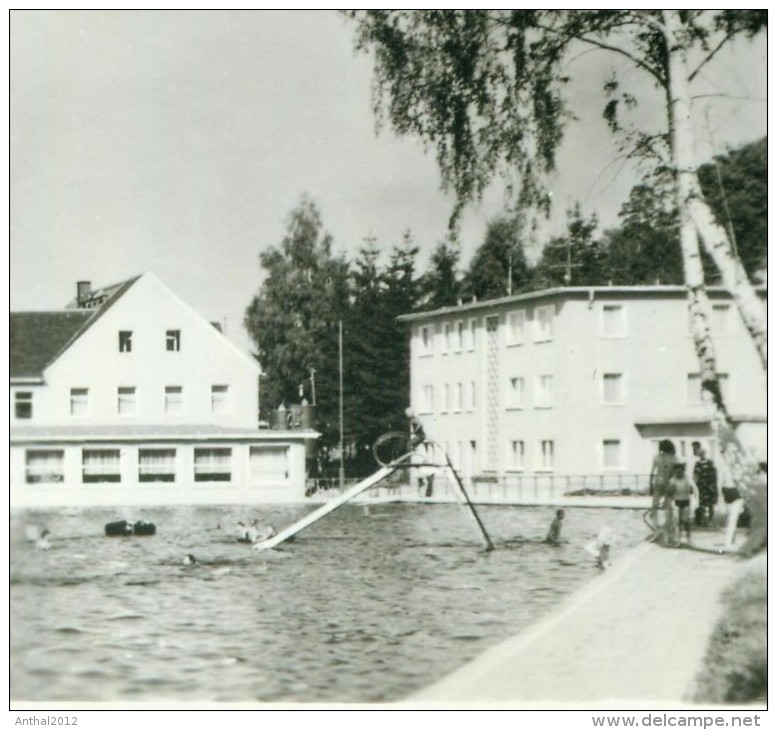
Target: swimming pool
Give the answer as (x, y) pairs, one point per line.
(364, 606)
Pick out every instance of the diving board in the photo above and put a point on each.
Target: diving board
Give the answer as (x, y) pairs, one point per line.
(330, 506)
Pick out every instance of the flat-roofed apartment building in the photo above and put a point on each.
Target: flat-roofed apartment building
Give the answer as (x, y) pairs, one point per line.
(128, 396)
(578, 384)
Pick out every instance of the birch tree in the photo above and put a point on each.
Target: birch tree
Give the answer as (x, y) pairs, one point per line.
(485, 90)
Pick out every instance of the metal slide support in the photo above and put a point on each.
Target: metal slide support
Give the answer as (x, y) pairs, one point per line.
(468, 504)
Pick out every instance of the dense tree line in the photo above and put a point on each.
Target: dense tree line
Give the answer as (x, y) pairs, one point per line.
(308, 290)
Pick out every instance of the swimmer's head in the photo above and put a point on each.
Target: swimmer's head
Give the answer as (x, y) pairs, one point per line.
(189, 560)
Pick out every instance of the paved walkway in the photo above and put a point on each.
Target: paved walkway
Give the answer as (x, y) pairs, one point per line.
(638, 632)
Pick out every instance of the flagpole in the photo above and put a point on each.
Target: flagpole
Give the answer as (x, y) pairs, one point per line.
(342, 461)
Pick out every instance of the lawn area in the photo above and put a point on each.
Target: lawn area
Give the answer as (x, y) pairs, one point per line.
(735, 667)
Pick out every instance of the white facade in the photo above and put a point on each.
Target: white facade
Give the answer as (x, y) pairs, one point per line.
(577, 382)
(147, 403)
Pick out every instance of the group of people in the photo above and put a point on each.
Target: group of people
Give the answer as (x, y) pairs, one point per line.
(674, 491)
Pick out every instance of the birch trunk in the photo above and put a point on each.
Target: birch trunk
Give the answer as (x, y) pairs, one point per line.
(731, 269)
(743, 470)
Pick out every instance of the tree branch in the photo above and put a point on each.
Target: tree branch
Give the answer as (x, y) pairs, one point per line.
(710, 56)
(614, 49)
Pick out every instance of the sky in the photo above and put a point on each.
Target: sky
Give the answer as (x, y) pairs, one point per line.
(179, 142)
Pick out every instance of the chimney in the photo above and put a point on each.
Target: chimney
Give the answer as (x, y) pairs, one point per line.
(83, 290)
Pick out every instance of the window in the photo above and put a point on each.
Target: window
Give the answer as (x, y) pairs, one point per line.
(459, 402)
(173, 340)
(473, 457)
(79, 402)
(612, 454)
(23, 404)
(469, 335)
(219, 398)
(543, 317)
(213, 465)
(544, 394)
(492, 324)
(126, 401)
(613, 320)
(173, 400)
(721, 320)
(446, 338)
(515, 327)
(694, 393)
(446, 403)
(546, 460)
(156, 465)
(101, 465)
(125, 341)
(613, 388)
(515, 393)
(472, 396)
(269, 463)
(427, 399)
(426, 341)
(459, 336)
(44, 466)
(459, 463)
(517, 455)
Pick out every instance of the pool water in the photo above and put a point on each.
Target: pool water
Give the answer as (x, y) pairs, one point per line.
(364, 606)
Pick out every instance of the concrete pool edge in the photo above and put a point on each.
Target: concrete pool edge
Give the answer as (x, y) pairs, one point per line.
(608, 642)
(461, 679)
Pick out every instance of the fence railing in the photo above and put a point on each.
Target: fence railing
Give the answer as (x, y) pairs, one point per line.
(506, 487)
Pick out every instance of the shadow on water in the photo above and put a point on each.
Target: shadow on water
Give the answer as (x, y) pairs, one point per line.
(360, 608)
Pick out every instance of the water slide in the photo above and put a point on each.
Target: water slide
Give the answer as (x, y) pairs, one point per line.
(362, 486)
(330, 506)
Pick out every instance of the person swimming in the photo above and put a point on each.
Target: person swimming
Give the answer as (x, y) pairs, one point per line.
(554, 533)
(189, 560)
(42, 543)
(265, 533)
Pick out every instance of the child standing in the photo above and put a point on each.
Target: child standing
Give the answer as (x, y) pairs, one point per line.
(682, 489)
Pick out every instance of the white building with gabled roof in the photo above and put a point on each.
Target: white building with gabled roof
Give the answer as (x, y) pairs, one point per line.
(131, 397)
(575, 386)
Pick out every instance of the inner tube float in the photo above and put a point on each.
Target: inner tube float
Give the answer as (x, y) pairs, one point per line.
(144, 528)
(122, 528)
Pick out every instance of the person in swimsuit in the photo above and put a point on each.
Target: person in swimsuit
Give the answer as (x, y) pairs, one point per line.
(660, 474)
(682, 490)
(417, 435)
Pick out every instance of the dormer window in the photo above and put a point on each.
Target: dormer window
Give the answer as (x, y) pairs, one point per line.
(125, 341)
(173, 339)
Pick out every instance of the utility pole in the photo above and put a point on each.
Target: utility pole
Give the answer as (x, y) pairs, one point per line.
(567, 265)
(313, 385)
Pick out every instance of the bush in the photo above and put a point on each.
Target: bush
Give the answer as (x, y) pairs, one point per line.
(735, 667)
